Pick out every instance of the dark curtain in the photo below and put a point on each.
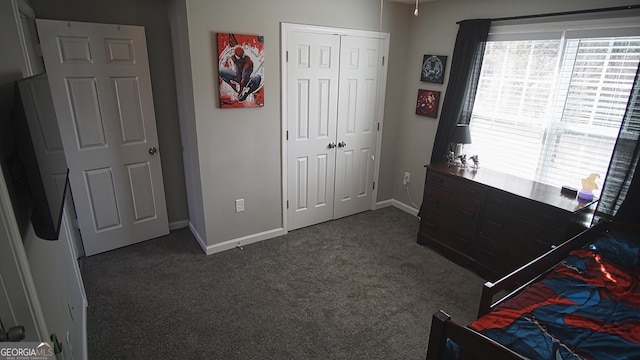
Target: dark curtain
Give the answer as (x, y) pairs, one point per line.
(619, 197)
(463, 82)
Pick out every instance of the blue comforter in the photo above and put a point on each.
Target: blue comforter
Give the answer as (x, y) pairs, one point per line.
(588, 307)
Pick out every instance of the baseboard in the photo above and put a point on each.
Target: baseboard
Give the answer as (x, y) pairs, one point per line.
(398, 205)
(406, 208)
(253, 238)
(234, 243)
(199, 239)
(178, 224)
(384, 204)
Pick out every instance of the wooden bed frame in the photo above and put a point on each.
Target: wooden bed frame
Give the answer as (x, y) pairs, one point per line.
(474, 345)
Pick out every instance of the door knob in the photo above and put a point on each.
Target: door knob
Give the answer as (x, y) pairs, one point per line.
(332, 145)
(153, 150)
(342, 144)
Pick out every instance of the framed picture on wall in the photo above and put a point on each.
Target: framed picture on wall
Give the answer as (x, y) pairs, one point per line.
(433, 67)
(241, 70)
(427, 104)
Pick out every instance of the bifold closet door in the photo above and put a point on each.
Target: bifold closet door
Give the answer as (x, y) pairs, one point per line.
(312, 108)
(332, 92)
(357, 124)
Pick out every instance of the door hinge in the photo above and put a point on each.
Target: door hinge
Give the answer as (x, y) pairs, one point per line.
(378, 126)
(287, 136)
(286, 56)
(374, 185)
(383, 61)
(287, 204)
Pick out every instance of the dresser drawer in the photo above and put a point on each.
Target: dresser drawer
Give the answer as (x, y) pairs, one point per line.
(533, 211)
(460, 187)
(441, 205)
(502, 260)
(518, 234)
(492, 221)
(446, 233)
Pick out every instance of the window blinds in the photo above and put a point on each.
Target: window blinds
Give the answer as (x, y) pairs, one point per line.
(550, 109)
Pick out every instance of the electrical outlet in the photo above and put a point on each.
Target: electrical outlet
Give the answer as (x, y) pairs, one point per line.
(407, 178)
(239, 205)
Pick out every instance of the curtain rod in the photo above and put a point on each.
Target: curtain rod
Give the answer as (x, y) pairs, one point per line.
(575, 12)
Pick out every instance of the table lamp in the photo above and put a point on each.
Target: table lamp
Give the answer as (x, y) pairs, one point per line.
(461, 136)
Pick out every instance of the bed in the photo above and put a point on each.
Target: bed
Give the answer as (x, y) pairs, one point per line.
(580, 300)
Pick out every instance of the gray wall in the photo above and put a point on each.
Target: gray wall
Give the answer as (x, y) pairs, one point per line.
(177, 12)
(152, 14)
(395, 21)
(238, 151)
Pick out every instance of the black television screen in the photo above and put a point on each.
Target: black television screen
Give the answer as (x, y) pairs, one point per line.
(37, 163)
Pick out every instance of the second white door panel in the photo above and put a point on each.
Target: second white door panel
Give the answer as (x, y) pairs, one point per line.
(356, 130)
(312, 108)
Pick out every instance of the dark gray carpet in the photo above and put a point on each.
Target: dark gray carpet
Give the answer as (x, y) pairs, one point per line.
(355, 288)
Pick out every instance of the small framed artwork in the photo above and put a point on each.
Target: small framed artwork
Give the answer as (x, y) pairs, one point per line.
(241, 70)
(427, 104)
(433, 67)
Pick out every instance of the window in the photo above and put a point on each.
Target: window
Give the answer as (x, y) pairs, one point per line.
(550, 103)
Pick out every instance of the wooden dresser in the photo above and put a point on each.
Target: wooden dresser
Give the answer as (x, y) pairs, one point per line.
(495, 222)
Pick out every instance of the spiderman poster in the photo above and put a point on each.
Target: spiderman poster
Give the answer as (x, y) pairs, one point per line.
(241, 70)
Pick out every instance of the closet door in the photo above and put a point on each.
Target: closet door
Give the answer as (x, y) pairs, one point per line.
(360, 62)
(312, 100)
(333, 96)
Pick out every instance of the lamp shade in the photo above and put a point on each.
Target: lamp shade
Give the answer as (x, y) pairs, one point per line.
(461, 135)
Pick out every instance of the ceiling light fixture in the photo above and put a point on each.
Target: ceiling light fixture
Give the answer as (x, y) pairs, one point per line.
(415, 12)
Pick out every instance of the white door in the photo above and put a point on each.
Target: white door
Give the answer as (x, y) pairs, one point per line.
(101, 87)
(19, 303)
(333, 97)
(360, 62)
(312, 108)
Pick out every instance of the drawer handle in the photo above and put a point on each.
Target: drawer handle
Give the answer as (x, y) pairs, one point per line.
(495, 224)
(487, 252)
(466, 213)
